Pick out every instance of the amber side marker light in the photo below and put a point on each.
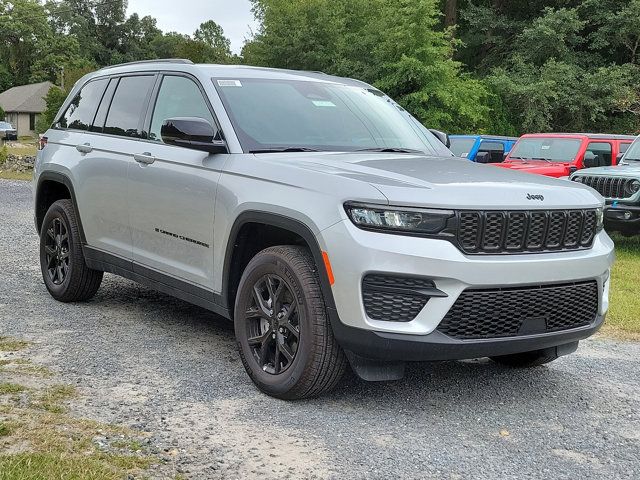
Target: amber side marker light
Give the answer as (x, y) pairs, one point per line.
(327, 266)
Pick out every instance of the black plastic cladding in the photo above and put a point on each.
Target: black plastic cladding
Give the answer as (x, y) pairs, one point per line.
(509, 312)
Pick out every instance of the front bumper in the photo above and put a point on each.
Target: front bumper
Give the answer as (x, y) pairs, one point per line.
(354, 253)
(394, 347)
(622, 217)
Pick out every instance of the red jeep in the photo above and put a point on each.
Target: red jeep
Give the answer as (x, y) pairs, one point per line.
(561, 154)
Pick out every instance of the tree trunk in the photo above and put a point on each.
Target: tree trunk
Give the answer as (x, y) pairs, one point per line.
(450, 13)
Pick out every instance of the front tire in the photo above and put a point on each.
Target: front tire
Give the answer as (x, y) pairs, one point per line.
(64, 270)
(284, 336)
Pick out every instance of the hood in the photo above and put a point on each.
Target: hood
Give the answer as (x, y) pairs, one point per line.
(540, 167)
(446, 182)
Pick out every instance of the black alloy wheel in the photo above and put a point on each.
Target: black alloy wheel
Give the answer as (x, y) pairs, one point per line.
(56, 245)
(273, 324)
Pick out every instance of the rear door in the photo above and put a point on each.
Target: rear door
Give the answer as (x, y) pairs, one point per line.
(99, 177)
(114, 134)
(172, 190)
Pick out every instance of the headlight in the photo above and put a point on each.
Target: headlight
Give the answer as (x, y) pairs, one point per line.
(633, 187)
(404, 220)
(599, 219)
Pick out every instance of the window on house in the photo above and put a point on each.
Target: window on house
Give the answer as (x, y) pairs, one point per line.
(32, 121)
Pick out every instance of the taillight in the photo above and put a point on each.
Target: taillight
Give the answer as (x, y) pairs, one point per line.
(42, 143)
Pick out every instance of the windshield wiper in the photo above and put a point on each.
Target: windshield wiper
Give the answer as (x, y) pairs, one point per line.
(285, 149)
(390, 150)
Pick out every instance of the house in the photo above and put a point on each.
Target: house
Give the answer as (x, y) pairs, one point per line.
(23, 105)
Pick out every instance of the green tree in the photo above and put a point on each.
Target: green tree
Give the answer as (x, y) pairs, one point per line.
(395, 45)
(212, 35)
(54, 99)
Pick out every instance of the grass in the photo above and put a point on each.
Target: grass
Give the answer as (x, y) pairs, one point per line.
(7, 175)
(39, 439)
(7, 388)
(23, 150)
(11, 345)
(623, 319)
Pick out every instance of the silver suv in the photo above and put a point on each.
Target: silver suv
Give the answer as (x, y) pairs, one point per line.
(318, 215)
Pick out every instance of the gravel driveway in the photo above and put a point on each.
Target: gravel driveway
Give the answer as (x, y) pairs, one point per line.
(158, 364)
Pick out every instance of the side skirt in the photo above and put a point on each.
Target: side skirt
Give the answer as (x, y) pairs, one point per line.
(106, 262)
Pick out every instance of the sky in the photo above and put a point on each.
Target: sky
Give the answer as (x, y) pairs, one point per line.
(184, 16)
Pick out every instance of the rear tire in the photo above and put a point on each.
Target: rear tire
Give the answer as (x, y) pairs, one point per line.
(527, 359)
(64, 270)
(284, 336)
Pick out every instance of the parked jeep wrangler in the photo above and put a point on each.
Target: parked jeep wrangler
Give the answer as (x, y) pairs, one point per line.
(318, 215)
(621, 188)
(561, 154)
(482, 148)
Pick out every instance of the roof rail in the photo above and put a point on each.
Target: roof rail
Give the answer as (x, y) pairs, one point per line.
(159, 60)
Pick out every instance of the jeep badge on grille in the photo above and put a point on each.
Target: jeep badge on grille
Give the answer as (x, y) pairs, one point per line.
(535, 197)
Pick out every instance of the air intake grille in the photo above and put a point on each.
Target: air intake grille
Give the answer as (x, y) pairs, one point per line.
(608, 187)
(492, 313)
(394, 299)
(523, 232)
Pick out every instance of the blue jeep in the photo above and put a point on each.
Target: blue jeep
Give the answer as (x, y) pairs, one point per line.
(482, 148)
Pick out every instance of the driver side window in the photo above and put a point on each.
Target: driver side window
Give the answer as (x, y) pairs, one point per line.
(178, 97)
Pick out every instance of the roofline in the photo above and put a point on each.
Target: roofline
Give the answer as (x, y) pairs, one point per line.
(183, 61)
(592, 136)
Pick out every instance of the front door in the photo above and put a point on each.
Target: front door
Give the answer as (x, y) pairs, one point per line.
(172, 191)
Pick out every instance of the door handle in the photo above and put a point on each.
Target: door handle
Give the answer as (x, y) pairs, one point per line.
(145, 158)
(84, 148)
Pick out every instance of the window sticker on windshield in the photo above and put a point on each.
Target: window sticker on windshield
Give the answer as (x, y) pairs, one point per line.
(229, 83)
(323, 103)
(546, 147)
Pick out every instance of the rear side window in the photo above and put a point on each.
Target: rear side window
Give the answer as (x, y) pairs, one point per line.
(624, 147)
(80, 112)
(128, 106)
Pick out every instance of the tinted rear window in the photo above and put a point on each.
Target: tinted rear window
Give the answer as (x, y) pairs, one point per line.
(128, 106)
(80, 112)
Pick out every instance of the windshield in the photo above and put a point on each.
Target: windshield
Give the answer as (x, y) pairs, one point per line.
(546, 148)
(5, 125)
(461, 147)
(633, 154)
(276, 115)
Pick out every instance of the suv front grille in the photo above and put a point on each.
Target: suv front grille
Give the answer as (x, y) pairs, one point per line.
(525, 231)
(394, 299)
(608, 187)
(509, 312)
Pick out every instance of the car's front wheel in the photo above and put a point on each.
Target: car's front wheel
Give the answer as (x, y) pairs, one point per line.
(64, 270)
(281, 325)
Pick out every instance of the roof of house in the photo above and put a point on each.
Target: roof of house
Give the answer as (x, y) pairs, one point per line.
(26, 98)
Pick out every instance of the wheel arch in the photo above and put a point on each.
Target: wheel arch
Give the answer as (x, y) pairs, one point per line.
(234, 263)
(53, 186)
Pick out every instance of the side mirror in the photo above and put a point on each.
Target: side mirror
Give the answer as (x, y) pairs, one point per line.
(191, 132)
(483, 157)
(443, 137)
(573, 169)
(590, 160)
